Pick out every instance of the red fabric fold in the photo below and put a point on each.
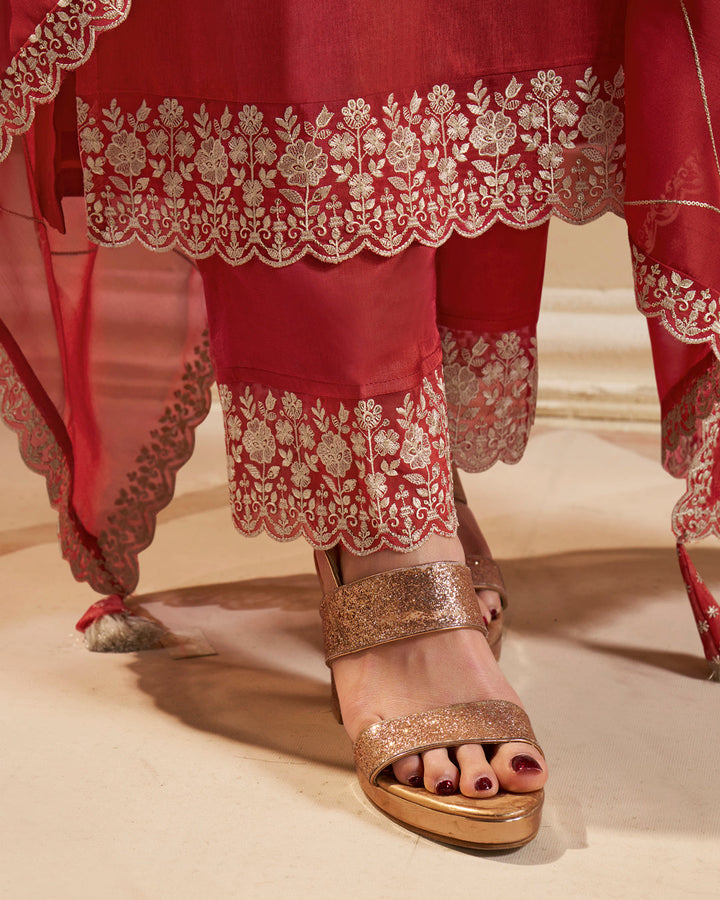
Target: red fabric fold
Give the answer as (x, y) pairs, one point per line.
(112, 605)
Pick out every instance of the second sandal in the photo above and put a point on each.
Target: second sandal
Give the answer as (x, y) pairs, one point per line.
(485, 572)
(399, 604)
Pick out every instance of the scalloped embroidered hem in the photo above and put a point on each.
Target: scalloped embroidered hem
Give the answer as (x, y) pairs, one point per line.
(371, 473)
(107, 561)
(63, 41)
(377, 173)
(687, 310)
(42, 452)
(375, 473)
(697, 513)
(491, 388)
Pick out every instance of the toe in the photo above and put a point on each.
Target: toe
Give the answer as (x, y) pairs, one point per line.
(519, 767)
(477, 778)
(490, 601)
(409, 770)
(439, 773)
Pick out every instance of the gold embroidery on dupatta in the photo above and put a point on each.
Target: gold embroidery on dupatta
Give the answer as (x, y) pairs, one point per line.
(688, 310)
(64, 40)
(682, 424)
(110, 567)
(42, 453)
(697, 512)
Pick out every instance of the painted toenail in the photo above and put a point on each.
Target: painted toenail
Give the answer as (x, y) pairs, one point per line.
(483, 784)
(444, 788)
(525, 764)
(494, 614)
(415, 781)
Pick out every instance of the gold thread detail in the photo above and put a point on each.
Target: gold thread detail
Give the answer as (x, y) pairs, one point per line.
(64, 40)
(701, 79)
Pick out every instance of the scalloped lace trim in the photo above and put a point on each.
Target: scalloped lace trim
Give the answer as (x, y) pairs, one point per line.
(371, 473)
(375, 473)
(246, 182)
(491, 387)
(64, 40)
(112, 566)
(697, 512)
(691, 431)
(42, 453)
(682, 424)
(686, 308)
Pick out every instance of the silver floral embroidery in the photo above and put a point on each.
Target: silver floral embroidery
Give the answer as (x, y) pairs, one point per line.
(491, 385)
(691, 430)
(63, 40)
(372, 473)
(243, 183)
(688, 310)
(697, 512)
(682, 421)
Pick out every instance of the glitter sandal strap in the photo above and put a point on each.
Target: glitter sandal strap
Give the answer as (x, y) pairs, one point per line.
(479, 722)
(486, 576)
(398, 604)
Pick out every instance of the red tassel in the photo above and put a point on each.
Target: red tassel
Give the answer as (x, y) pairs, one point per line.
(112, 605)
(705, 609)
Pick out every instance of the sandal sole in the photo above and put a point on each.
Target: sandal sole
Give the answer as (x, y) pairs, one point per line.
(502, 822)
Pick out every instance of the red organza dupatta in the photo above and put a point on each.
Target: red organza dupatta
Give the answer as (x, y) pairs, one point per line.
(672, 209)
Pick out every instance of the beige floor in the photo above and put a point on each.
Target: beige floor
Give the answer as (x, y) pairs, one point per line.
(139, 776)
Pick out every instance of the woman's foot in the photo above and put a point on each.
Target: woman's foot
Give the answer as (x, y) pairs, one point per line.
(427, 671)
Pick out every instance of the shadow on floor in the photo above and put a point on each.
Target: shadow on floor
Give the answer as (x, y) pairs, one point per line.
(256, 699)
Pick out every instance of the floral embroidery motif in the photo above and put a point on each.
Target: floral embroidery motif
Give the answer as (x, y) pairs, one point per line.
(42, 453)
(491, 386)
(697, 513)
(688, 310)
(247, 183)
(691, 430)
(689, 183)
(372, 473)
(64, 40)
(150, 487)
(109, 562)
(682, 423)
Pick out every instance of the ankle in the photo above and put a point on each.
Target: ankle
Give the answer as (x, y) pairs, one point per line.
(436, 548)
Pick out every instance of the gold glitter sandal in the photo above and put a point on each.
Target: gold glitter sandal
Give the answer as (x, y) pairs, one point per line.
(403, 603)
(485, 572)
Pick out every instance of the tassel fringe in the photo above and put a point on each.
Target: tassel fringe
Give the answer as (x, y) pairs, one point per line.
(122, 634)
(110, 626)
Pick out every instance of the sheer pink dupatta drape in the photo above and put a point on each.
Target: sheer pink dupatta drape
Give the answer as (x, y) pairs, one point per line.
(105, 375)
(104, 372)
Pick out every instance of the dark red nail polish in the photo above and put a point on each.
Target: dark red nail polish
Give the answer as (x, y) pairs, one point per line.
(525, 764)
(483, 784)
(415, 781)
(494, 614)
(444, 788)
